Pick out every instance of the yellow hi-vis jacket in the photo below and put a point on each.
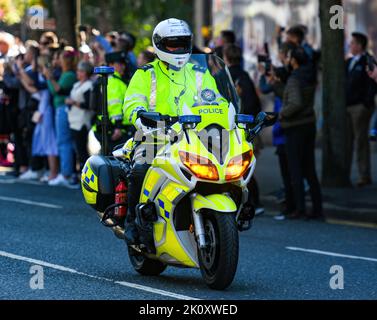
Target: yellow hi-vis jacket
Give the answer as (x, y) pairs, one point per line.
(157, 88)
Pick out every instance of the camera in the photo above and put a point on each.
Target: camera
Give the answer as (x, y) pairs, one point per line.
(281, 73)
(83, 28)
(266, 60)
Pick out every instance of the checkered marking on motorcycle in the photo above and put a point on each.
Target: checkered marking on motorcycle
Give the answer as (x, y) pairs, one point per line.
(146, 192)
(87, 179)
(162, 205)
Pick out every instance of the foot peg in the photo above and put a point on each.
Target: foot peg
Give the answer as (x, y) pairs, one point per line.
(245, 219)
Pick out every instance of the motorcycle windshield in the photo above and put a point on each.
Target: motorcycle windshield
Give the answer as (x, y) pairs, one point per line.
(203, 87)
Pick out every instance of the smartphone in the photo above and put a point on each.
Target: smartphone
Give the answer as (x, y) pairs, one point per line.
(83, 28)
(371, 63)
(20, 56)
(262, 58)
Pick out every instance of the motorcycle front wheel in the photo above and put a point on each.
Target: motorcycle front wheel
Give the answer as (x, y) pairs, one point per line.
(218, 261)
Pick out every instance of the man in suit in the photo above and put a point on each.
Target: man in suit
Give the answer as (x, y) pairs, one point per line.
(360, 91)
(372, 73)
(226, 37)
(250, 103)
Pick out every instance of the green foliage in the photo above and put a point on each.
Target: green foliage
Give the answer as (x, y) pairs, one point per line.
(136, 16)
(12, 11)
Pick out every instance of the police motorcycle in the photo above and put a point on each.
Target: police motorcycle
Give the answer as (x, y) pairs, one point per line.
(194, 200)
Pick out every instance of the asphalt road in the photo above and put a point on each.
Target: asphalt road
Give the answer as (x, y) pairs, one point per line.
(81, 259)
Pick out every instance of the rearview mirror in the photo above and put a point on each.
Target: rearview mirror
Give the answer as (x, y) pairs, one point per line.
(267, 119)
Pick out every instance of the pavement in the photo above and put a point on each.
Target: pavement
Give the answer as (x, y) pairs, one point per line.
(52, 229)
(350, 205)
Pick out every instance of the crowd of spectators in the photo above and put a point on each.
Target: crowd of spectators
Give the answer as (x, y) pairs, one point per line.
(293, 81)
(45, 100)
(45, 105)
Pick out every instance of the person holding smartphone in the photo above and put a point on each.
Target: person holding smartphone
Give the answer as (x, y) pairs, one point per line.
(60, 90)
(372, 73)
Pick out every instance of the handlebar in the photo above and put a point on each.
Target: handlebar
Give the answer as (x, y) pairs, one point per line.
(262, 120)
(151, 119)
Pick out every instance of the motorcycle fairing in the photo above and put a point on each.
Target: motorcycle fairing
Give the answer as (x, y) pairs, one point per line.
(218, 202)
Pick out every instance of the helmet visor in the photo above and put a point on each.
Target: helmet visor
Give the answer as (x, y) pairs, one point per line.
(176, 45)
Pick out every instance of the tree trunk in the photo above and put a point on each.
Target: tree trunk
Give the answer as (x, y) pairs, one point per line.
(336, 157)
(65, 20)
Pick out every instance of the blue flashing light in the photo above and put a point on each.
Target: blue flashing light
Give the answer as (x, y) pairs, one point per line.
(244, 118)
(190, 119)
(103, 70)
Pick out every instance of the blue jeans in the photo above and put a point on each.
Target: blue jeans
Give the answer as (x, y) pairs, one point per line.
(374, 122)
(64, 141)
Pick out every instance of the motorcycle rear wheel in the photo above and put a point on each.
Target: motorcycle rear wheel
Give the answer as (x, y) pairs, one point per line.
(144, 265)
(218, 262)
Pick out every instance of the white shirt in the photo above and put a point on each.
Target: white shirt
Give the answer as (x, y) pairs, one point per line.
(355, 59)
(80, 117)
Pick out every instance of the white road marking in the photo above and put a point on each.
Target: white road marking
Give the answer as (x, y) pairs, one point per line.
(358, 224)
(33, 203)
(330, 206)
(73, 271)
(7, 181)
(156, 291)
(333, 254)
(14, 181)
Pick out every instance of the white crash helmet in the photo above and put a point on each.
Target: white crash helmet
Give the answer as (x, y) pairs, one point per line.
(176, 34)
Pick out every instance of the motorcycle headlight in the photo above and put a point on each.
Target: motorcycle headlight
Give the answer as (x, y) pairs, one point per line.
(202, 167)
(238, 165)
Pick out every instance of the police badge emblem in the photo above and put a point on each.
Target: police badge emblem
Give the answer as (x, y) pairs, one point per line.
(208, 95)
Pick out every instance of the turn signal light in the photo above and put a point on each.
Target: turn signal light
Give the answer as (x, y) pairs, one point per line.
(203, 168)
(238, 165)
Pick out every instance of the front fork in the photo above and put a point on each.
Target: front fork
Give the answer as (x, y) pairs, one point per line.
(199, 229)
(244, 214)
(222, 203)
(198, 225)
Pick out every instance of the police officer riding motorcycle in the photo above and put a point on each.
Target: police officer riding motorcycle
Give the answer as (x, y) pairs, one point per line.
(150, 89)
(177, 192)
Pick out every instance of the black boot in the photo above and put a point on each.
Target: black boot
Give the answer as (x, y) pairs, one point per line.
(131, 234)
(135, 182)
